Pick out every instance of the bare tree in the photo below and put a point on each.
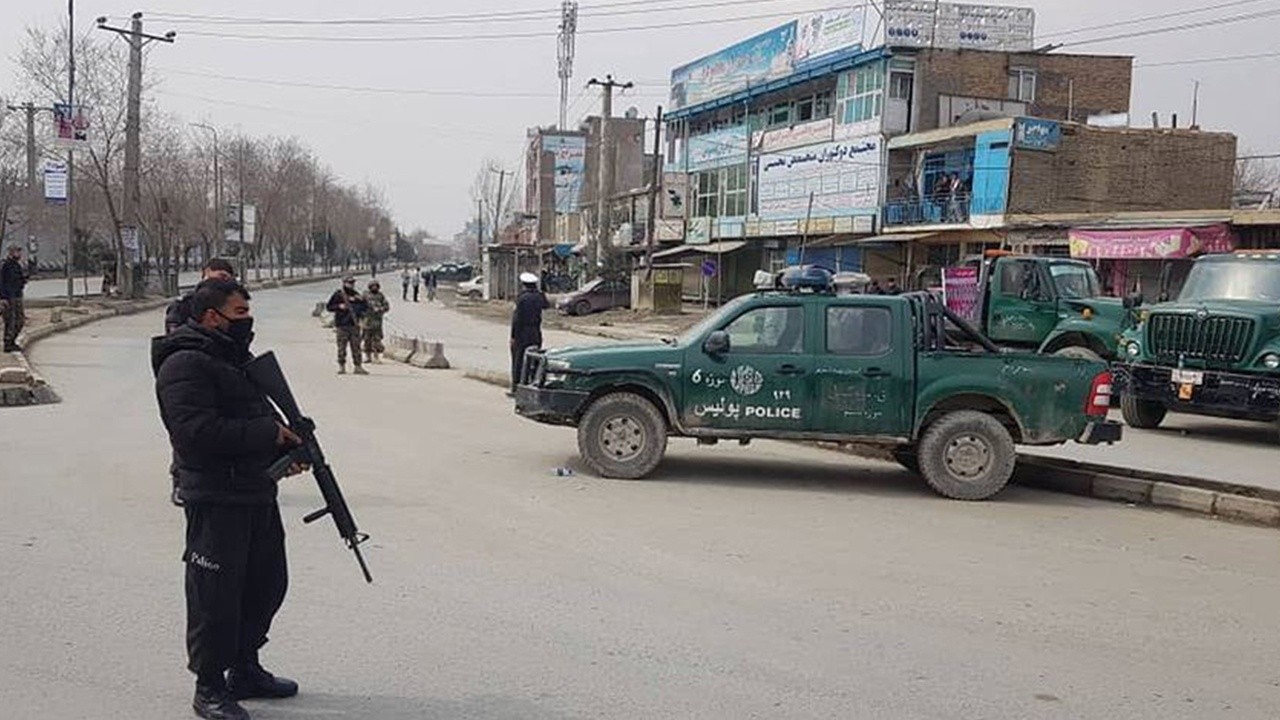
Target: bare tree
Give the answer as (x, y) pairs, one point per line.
(1257, 181)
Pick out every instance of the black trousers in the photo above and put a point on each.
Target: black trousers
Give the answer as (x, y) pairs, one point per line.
(415, 293)
(517, 359)
(236, 581)
(14, 320)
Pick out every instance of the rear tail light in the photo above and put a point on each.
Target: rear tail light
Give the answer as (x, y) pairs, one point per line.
(1099, 402)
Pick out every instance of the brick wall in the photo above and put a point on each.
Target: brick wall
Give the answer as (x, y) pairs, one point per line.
(1099, 83)
(1105, 169)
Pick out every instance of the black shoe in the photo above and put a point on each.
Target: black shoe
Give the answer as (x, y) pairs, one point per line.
(217, 704)
(175, 498)
(254, 682)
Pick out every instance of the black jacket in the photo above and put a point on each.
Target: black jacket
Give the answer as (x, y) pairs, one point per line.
(12, 279)
(222, 428)
(355, 304)
(178, 313)
(526, 321)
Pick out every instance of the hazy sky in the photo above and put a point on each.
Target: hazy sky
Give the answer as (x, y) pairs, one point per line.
(423, 149)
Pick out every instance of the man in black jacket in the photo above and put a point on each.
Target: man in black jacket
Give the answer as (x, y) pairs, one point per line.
(225, 435)
(347, 306)
(526, 323)
(13, 278)
(179, 311)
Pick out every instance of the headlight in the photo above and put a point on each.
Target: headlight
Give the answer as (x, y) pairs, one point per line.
(1271, 361)
(1133, 349)
(1087, 313)
(557, 365)
(555, 378)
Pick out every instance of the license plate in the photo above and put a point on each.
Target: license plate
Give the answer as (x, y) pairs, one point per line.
(1188, 377)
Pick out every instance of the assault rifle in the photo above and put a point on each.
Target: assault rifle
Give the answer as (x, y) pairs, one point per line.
(265, 372)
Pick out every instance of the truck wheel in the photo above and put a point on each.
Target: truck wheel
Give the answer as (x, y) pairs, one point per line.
(907, 458)
(967, 455)
(1142, 414)
(622, 435)
(1079, 352)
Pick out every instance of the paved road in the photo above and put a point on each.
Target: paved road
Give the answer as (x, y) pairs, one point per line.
(769, 582)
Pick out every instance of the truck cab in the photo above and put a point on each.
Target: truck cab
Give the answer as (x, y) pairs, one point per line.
(1053, 305)
(1215, 350)
(807, 363)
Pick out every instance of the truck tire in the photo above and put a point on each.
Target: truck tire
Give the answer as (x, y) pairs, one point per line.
(907, 458)
(1142, 414)
(622, 435)
(1079, 352)
(967, 455)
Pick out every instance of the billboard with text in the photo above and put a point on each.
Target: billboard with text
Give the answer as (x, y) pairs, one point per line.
(843, 177)
(925, 23)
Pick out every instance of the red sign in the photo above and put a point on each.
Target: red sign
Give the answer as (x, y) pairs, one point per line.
(1160, 244)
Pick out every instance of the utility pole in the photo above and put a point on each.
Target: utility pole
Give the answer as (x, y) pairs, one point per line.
(479, 230)
(655, 184)
(568, 31)
(137, 39)
(217, 186)
(604, 168)
(497, 205)
(1195, 107)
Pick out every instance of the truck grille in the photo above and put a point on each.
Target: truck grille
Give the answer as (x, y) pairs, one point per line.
(1213, 339)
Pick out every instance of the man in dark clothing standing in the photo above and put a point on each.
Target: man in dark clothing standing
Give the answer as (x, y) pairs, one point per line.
(177, 315)
(179, 311)
(13, 278)
(225, 435)
(526, 323)
(347, 307)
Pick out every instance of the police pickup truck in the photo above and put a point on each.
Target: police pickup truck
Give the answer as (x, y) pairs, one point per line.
(800, 362)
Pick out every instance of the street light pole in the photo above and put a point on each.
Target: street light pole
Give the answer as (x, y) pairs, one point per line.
(217, 184)
(71, 99)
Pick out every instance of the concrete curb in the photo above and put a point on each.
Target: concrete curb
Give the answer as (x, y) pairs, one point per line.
(489, 377)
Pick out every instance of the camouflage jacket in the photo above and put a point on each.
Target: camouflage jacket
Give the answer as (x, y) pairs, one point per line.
(378, 306)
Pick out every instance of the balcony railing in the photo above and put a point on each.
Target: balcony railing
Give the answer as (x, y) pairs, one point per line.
(928, 211)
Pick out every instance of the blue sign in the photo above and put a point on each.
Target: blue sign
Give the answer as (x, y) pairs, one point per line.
(709, 268)
(764, 57)
(1037, 134)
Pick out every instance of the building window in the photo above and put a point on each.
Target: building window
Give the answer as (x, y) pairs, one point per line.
(858, 331)
(860, 94)
(1022, 84)
(804, 110)
(707, 203)
(734, 182)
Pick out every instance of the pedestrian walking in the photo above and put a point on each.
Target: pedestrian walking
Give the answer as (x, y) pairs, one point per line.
(347, 306)
(526, 324)
(417, 280)
(224, 435)
(404, 284)
(432, 284)
(13, 280)
(179, 313)
(371, 322)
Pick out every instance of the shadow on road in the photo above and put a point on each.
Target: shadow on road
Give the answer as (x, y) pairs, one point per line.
(879, 479)
(1229, 433)
(486, 707)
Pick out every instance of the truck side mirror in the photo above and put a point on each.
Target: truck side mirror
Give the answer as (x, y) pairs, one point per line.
(716, 344)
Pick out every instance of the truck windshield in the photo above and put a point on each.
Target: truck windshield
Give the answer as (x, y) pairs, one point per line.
(1241, 280)
(711, 321)
(1074, 281)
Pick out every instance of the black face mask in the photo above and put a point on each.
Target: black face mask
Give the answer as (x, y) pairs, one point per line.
(240, 330)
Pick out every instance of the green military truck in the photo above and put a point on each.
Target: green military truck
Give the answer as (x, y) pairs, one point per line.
(1213, 351)
(1052, 305)
(813, 365)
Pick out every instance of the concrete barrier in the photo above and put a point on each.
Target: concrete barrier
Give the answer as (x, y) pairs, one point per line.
(429, 356)
(399, 348)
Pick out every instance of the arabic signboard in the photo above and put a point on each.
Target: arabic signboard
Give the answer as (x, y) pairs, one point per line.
(55, 181)
(925, 23)
(70, 126)
(842, 177)
(675, 195)
(794, 46)
(960, 291)
(718, 149)
(570, 152)
(1160, 244)
(809, 133)
(699, 231)
(231, 225)
(1037, 134)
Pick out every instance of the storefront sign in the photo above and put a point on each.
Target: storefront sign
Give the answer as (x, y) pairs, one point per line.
(1161, 244)
(675, 195)
(718, 149)
(699, 231)
(811, 133)
(55, 181)
(960, 291)
(1037, 134)
(841, 177)
(927, 23)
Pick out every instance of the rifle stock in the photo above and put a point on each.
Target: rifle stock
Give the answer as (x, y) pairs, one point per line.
(266, 374)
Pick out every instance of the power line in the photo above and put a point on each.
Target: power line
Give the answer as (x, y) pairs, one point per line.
(1176, 28)
(1201, 61)
(1149, 18)
(359, 88)
(646, 7)
(492, 36)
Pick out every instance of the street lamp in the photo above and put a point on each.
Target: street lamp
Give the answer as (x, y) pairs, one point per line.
(217, 183)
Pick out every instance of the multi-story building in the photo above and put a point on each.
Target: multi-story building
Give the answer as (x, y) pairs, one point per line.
(885, 151)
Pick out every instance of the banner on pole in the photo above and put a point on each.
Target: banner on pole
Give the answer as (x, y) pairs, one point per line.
(55, 181)
(70, 126)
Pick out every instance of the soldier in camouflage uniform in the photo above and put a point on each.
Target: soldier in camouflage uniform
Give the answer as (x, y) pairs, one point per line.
(347, 307)
(376, 305)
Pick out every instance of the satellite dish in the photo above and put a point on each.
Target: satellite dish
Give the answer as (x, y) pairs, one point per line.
(632, 113)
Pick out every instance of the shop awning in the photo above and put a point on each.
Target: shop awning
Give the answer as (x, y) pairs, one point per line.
(847, 240)
(1167, 243)
(715, 248)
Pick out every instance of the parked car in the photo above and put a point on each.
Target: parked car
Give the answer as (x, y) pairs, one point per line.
(873, 369)
(596, 296)
(472, 289)
(454, 272)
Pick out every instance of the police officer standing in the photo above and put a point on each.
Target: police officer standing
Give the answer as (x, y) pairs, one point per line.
(526, 323)
(225, 435)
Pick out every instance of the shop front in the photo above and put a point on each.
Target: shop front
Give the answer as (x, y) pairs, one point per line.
(1150, 261)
